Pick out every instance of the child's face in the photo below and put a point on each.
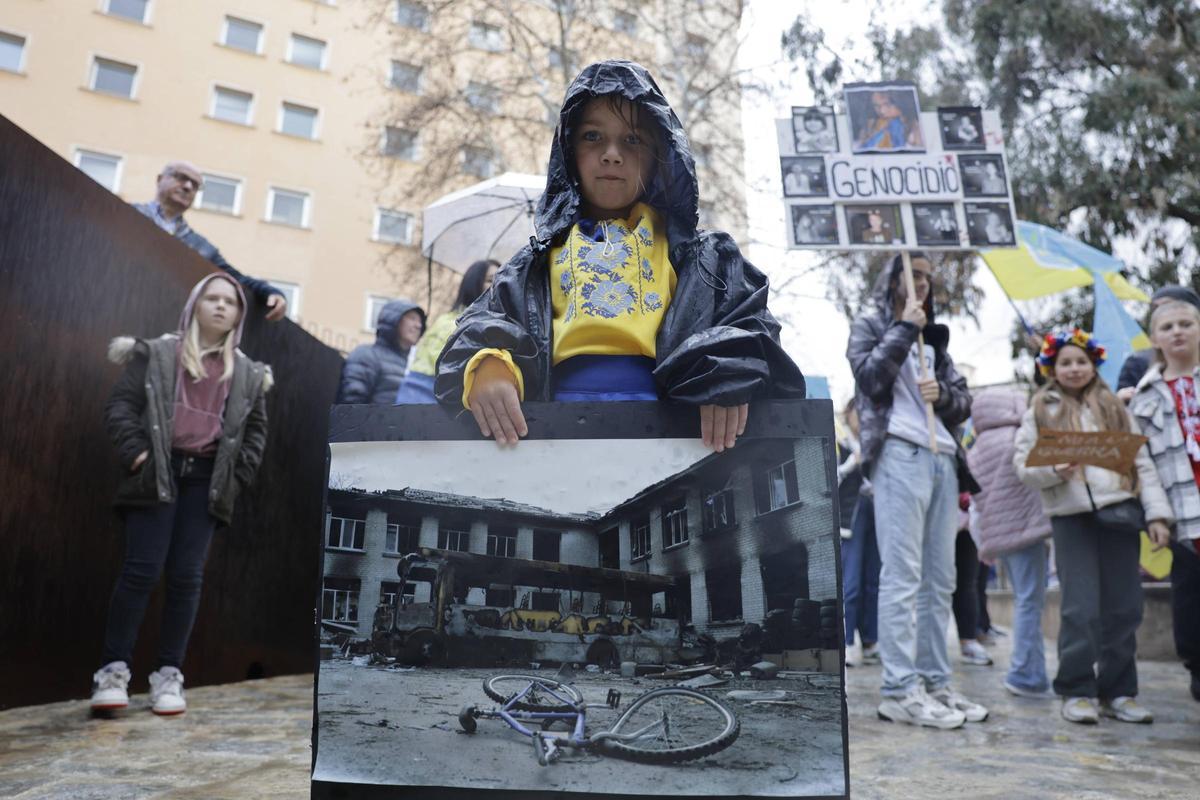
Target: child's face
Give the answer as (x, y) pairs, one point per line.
(1176, 333)
(217, 311)
(1073, 369)
(408, 329)
(614, 161)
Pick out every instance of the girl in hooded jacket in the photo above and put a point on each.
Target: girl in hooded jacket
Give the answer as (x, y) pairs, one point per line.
(189, 421)
(1096, 525)
(619, 296)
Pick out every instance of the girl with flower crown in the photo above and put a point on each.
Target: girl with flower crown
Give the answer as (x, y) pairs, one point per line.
(1096, 524)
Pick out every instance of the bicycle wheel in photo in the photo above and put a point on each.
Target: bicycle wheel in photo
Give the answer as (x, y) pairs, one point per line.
(502, 687)
(672, 724)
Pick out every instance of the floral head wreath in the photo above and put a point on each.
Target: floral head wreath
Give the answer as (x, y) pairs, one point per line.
(1055, 341)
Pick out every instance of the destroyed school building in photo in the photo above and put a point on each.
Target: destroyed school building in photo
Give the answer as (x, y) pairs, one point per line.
(742, 533)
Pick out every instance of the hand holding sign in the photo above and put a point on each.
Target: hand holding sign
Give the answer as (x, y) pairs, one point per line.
(1106, 449)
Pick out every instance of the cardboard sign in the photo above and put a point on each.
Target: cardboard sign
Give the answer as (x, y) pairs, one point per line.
(1106, 449)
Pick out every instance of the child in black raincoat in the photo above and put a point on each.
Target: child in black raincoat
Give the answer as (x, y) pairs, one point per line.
(619, 296)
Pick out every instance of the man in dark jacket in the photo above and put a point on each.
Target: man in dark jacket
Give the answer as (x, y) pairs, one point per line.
(1136, 365)
(915, 488)
(176, 188)
(373, 372)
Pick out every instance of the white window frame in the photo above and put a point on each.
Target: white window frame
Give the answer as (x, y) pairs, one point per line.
(289, 56)
(393, 533)
(479, 38)
(316, 132)
(372, 316)
(641, 540)
(94, 72)
(391, 75)
(237, 194)
(458, 534)
(212, 104)
(262, 34)
(335, 593)
(396, 15)
(342, 534)
(708, 510)
(493, 545)
(379, 212)
(306, 211)
(146, 14)
(118, 175)
(24, 59)
(782, 470)
(292, 293)
(675, 524)
(416, 147)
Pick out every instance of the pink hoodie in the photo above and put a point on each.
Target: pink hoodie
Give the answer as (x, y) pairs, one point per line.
(200, 404)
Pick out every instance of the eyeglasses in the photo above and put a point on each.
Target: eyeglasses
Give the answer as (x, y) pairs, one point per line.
(186, 179)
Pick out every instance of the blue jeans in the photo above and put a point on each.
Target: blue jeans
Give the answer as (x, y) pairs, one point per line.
(860, 575)
(1027, 573)
(916, 516)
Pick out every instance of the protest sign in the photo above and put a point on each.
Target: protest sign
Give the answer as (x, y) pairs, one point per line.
(1113, 450)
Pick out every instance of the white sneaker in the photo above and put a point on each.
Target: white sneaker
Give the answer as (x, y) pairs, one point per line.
(976, 654)
(166, 692)
(952, 699)
(1126, 709)
(1021, 691)
(870, 654)
(110, 688)
(1080, 709)
(854, 654)
(918, 708)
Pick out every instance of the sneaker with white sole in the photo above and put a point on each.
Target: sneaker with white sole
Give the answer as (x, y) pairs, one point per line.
(918, 708)
(1126, 709)
(955, 701)
(1021, 691)
(110, 688)
(166, 692)
(854, 654)
(975, 654)
(1081, 710)
(870, 653)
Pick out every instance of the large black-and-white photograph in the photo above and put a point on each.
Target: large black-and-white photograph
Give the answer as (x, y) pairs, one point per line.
(814, 129)
(961, 127)
(876, 224)
(814, 225)
(884, 118)
(632, 616)
(804, 176)
(983, 175)
(935, 224)
(989, 224)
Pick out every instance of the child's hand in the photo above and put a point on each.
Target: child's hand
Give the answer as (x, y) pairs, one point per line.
(495, 403)
(1066, 471)
(720, 426)
(1159, 533)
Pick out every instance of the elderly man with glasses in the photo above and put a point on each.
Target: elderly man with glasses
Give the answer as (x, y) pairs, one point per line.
(177, 186)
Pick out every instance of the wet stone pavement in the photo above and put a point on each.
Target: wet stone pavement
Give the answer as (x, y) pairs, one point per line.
(251, 740)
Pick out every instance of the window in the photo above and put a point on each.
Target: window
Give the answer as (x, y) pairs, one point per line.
(561, 59)
(346, 533)
(696, 46)
(392, 226)
(222, 195)
(547, 545)
(388, 590)
(544, 601)
(477, 161)
(403, 535)
(639, 538)
(399, 143)
(454, 536)
(610, 548)
(502, 541)
(304, 51)
(625, 22)
(375, 304)
(291, 293)
(287, 207)
(12, 52)
(485, 37)
(674, 522)
(136, 10)
(482, 97)
(104, 169)
(500, 597)
(411, 15)
(718, 510)
(405, 76)
(678, 603)
(231, 105)
(113, 77)
(339, 600)
(781, 486)
(724, 586)
(297, 120)
(242, 34)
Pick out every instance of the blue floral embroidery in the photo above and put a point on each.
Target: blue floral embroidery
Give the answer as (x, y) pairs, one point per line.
(652, 302)
(608, 298)
(647, 270)
(644, 236)
(594, 260)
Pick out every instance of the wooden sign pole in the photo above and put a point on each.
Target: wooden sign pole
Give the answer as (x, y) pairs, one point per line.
(911, 292)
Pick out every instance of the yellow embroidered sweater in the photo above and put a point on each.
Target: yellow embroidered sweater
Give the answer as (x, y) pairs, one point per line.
(608, 297)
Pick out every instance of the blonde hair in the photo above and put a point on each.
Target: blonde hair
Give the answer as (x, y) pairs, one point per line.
(1169, 305)
(192, 354)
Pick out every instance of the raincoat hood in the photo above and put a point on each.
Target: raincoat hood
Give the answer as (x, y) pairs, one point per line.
(389, 318)
(189, 308)
(672, 191)
(997, 408)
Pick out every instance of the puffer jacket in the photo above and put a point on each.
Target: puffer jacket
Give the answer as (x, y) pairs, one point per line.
(1153, 408)
(878, 347)
(717, 344)
(1008, 514)
(373, 372)
(139, 418)
(1098, 488)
